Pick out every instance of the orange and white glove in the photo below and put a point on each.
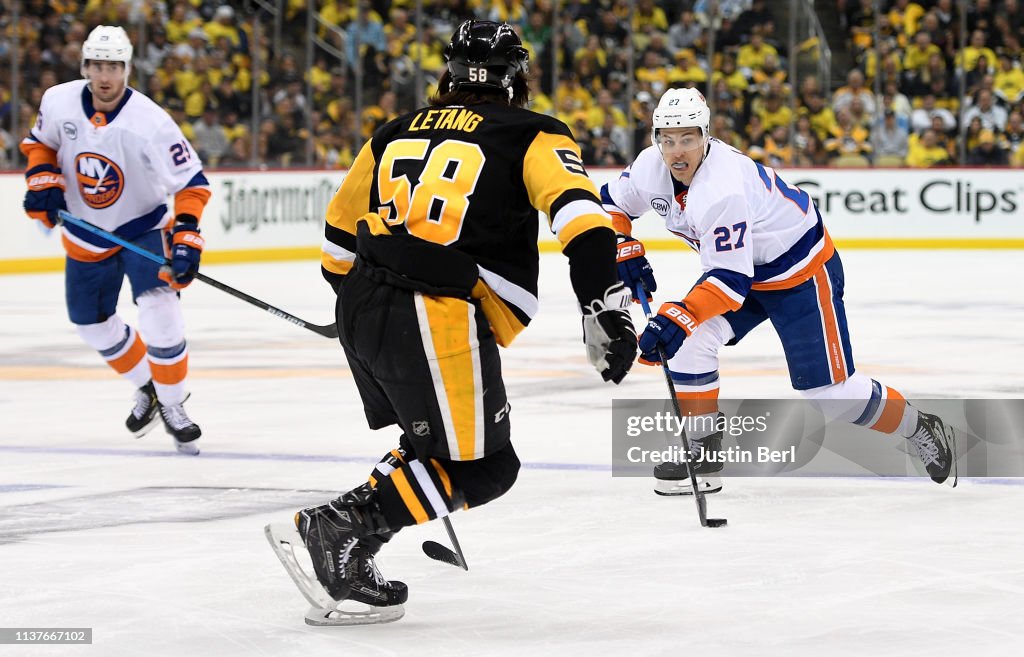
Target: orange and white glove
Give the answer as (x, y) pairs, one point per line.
(45, 195)
(186, 247)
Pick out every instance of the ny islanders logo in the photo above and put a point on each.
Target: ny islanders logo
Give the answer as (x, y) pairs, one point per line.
(100, 180)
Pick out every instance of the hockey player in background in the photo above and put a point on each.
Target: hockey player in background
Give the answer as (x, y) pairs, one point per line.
(765, 255)
(111, 156)
(431, 244)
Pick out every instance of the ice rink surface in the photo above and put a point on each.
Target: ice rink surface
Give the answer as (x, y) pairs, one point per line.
(163, 555)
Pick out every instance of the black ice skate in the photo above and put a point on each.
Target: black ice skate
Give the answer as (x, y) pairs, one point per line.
(184, 431)
(144, 415)
(673, 479)
(935, 444)
(342, 538)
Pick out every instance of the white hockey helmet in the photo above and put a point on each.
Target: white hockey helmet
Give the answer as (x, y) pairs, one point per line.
(108, 43)
(681, 108)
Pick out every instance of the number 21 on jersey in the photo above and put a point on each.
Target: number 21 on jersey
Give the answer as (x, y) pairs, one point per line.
(434, 208)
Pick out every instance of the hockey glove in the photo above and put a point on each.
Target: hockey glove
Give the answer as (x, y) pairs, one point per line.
(667, 329)
(45, 194)
(633, 266)
(186, 247)
(609, 333)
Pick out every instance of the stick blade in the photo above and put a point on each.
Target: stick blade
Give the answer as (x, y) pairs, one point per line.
(717, 522)
(438, 552)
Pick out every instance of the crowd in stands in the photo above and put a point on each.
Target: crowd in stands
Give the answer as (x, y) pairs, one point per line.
(898, 106)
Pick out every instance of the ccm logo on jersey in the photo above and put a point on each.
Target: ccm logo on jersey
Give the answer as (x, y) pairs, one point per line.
(100, 180)
(676, 314)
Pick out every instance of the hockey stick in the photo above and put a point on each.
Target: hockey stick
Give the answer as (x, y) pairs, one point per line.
(328, 331)
(438, 552)
(698, 494)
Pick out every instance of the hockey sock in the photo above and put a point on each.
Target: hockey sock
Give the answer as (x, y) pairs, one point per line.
(698, 401)
(121, 346)
(887, 411)
(414, 493)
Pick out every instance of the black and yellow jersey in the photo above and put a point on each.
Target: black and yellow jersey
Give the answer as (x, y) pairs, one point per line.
(473, 179)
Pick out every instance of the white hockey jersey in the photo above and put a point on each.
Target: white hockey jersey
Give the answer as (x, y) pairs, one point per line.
(752, 230)
(119, 167)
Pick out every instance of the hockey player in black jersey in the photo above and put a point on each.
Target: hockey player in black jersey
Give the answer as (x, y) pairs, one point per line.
(431, 245)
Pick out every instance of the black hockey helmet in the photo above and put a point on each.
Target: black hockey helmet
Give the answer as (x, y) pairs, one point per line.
(485, 55)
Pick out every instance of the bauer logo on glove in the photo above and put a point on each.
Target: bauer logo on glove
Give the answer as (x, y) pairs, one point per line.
(666, 332)
(633, 267)
(186, 247)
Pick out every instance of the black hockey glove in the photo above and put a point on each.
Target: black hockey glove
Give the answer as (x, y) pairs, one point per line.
(609, 333)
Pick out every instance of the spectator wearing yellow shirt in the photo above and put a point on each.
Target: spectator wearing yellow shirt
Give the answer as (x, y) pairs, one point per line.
(570, 87)
(848, 139)
(968, 56)
(567, 110)
(751, 56)
(773, 112)
(198, 100)
(377, 115)
(176, 108)
(735, 80)
(653, 72)
(1018, 157)
(604, 107)
(510, 11)
(539, 101)
(1008, 81)
(319, 78)
(649, 16)
(400, 28)
(768, 75)
(925, 152)
(222, 26)
(906, 15)
(427, 49)
(592, 48)
(915, 57)
(589, 75)
(182, 22)
(822, 118)
(687, 72)
(989, 152)
(233, 129)
(777, 150)
(1014, 133)
(185, 80)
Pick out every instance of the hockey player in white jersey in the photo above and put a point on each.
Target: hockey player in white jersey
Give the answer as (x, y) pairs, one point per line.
(765, 255)
(110, 155)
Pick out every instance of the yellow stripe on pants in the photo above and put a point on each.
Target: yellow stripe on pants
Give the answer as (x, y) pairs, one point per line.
(453, 340)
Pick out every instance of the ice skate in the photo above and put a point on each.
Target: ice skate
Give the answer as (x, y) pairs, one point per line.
(144, 415)
(184, 431)
(935, 444)
(341, 540)
(673, 478)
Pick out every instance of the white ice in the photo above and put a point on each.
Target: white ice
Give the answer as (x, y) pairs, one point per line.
(163, 555)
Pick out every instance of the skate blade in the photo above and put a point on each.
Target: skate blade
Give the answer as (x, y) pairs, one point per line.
(285, 541)
(191, 448)
(668, 487)
(361, 615)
